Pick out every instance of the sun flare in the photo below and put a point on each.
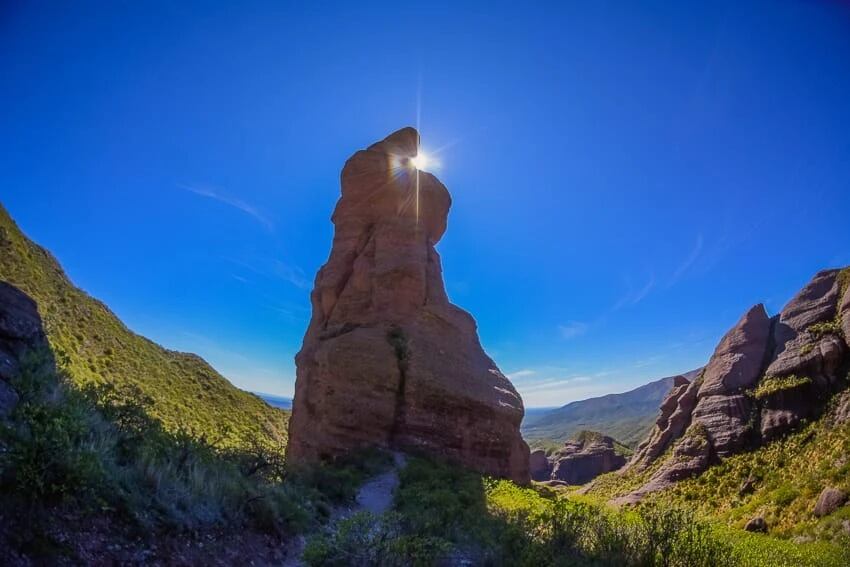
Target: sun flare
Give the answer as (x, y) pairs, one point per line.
(419, 161)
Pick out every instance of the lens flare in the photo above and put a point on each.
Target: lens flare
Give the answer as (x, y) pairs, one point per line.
(419, 161)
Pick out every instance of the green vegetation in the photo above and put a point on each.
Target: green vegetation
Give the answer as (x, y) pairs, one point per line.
(770, 385)
(93, 347)
(832, 327)
(443, 512)
(97, 453)
(780, 481)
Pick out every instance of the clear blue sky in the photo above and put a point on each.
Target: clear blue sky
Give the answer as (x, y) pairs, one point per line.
(627, 177)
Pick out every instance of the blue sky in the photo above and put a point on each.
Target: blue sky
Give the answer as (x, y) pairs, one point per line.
(627, 177)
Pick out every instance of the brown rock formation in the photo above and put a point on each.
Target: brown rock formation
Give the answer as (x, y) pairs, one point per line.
(673, 420)
(539, 466)
(583, 459)
(815, 357)
(765, 376)
(387, 360)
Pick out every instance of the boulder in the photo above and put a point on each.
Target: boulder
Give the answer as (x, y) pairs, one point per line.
(539, 465)
(757, 524)
(585, 458)
(830, 500)
(387, 361)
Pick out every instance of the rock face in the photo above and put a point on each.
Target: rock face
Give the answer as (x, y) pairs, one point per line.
(20, 331)
(539, 466)
(579, 461)
(764, 378)
(387, 360)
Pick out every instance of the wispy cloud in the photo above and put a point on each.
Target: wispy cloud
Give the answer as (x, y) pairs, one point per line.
(649, 361)
(572, 329)
(273, 268)
(521, 374)
(291, 273)
(554, 384)
(688, 262)
(234, 202)
(634, 295)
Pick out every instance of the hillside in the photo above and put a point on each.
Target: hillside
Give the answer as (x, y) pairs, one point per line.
(627, 417)
(762, 437)
(93, 346)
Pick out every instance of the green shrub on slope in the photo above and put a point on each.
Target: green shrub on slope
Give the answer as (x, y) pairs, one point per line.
(94, 347)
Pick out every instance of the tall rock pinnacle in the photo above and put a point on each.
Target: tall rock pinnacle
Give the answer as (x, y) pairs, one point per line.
(387, 360)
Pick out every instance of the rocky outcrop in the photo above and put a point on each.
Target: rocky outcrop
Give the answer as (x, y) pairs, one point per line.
(829, 500)
(757, 524)
(579, 461)
(764, 378)
(673, 419)
(387, 360)
(809, 348)
(20, 331)
(539, 466)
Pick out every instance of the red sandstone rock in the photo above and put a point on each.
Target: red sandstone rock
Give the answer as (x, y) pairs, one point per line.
(387, 360)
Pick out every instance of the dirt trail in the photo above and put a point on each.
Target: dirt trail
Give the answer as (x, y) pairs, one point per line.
(375, 496)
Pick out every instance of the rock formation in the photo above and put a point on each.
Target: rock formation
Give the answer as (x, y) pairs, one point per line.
(579, 461)
(540, 466)
(829, 500)
(764, 378)
(387, 360)
(20, 331)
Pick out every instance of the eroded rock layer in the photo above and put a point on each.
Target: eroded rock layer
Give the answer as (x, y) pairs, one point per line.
(387, 360)
(766, 376)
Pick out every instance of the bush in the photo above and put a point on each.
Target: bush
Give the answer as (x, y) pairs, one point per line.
(365, 540)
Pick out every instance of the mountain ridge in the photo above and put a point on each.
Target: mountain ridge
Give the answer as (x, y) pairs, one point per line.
(604, 414)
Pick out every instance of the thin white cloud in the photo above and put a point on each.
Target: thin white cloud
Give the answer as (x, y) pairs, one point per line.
(553, 384)
(634, 296)
(688, 262)
(521, 374)
(272, 268)
(649, 361)
(572, 329)
(291, 273)
(234, 202)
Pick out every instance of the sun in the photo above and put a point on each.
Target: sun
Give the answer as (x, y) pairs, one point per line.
(420, 160)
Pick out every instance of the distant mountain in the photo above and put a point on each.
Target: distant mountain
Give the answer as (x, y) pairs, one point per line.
(627, 417)
(276, 401)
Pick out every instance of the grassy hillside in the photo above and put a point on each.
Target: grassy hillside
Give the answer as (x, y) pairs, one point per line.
(627, 417)
(444, 515)
(784, 478)
(93, 346)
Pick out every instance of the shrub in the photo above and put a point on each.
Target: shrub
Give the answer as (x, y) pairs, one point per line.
(770, 385)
